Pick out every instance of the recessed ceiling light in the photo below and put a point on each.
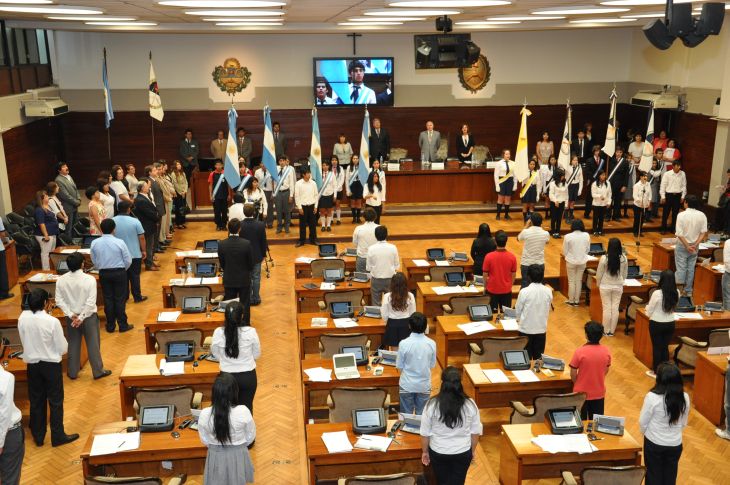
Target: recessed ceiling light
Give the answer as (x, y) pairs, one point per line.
(236, 13)
(584, 10)
(393, 12)
(602, 21)
(644, 15)
(487, 22)
(249, 24)
(639, 3)
(121, 24)
(511, 17)
(100, 19)
(354, 24)
(386, 19)
(242, 19)
(61, 10)
(27, 2)
(221, 3)
(448, 3)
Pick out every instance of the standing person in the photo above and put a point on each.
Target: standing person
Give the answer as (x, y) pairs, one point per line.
(354, 188)
(642, 202)
(283, 195)
(4, 286)
(396, 309)
(244, 146)
(158, 198)
(671, 153)
(531, 188)
(660, 311)
(632, 178)
(610, 275)
(544, 148)
(43, 347)
(236, 257)
(464, 144)
(660, 141)
(662, 419)
(237, 347)
(450, 430)
(106, 198)
(146, 212)
(56, 206)
(481, 246)
(266, 183)
(377, 167)
(617, 178)
(69, 195)
(12, 434)
(382, 264)
(342, 150)
(363, 237)
(655, 180)
(374, 194)
(579, 147)
(305, 198)
(379, 142)
(218, 145)
(339, 175)
(429, 142)
(119, 184)
(547, 173)
(416, 357)
(254, 231)
(131, 231)
(111, 257)
(218, 192)
(505, 182)
(254, 196)
(574, 180)
(601, 195)
(76, 297)
(499, 270)
(227, 429)
(189, 151)
(593, 167)
(575, 250)
(168, 194)
(672, 191)
(280, 141)
(326, 199)
(558, 191)
(691, 231)
(534, 239)
(180, 186)
(235, 211)
(46, 228)
(131, 180)
(588, 369)
(533, 307)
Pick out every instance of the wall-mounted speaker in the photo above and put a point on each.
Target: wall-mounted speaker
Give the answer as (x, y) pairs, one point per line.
(472, 53)
(693, 39)
(711, 17)
(679, 19)
(657, 33)
(444, 24)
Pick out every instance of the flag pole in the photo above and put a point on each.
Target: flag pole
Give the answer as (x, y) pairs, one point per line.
(152, 125)
(109, 144)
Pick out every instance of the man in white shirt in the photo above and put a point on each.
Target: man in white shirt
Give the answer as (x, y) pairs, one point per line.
(283, 196)
(43, 346)
(76, 297)
(672, 191)
(642, 201)
(266, 183)
(12, 436)
(235, 211)
(533, 307)
(691, 231)
(534, 238)
(305, 198)
(359, 93)
(363, 237)
(382, 263)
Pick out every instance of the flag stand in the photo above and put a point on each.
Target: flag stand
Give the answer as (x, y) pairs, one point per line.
(152, 122)
(109, 144)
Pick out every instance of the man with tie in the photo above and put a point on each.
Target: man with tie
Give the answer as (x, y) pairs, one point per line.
(618, 176)
(379, 142)
(580, 147)
(320, 93)
(359, 93)
(69, 195)
(189, 151)
(218, 146)
(279, 140)
(236, 259)
(146, 212)
(254, 232)
(593, 165)
(284, 195)
(244, 146)
(429, 142)
(464, 144)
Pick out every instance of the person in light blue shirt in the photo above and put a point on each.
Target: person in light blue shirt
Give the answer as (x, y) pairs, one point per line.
(416, 358)
(130, 230)
(111, 257)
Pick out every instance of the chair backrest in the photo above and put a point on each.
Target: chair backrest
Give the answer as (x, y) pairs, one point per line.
(443, 149)
(56, 258)
(122, 480)
(394, 479)
(686, 352)
(610, 475)
(180, 396)
(162, 337)
(437, 272)
(480, 153)
(492, 347)
(718, 256)
(10, 333)
(354, 297)
(398, 153)
(590, 281)
(331, 343)
(545, 402)
(460, 304)
(180, 292)
(49, 286)
(719, 338)
(194, 262)
(345, 399)
(318, 266)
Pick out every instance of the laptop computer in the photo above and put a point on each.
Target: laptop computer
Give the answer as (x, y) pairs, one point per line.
(371, 311)
(685, 304)
(341, 309)
(596, 249)
(361, 355)
(388, 357)
(86, 243)
(180, 351)
(454, 278)
(62, 267)
(205, 270)
(351, 252)
(210, 246)
(515, 359)
(345, 366)
(411, 422)
(460, 257)
(508, 312)
(327, 250)
(333, 275)
(361, 277)
(193, 304)
(634, 272)
(434, 254)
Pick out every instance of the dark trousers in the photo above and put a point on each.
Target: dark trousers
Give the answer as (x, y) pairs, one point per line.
(661, 334)
(378, 211)
(178, 204)
(450, 469)
(525, 278)
(11, 459)
(89, 330)
(671, 204)
(592, 407)
(617, 200)
(499, 301)
(73, 218)
(556, 217)
(149, 246)
(589, 200)
(639, 218)
(45, 389)
(599, 213)
(661, 463)
(133, 273)
(114, 286)
(246, 388)
(4, 289)
(243, 293)
(535, 344)
(309, 220)
(220, 212)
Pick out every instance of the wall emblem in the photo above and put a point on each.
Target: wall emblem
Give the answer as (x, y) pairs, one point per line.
(231, 78)
(476, 76)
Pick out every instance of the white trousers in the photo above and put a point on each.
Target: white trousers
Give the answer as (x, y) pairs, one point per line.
(610, 299)
(575, 281)
(46, 249)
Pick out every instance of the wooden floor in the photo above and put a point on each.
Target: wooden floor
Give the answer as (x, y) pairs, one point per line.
(279, 454)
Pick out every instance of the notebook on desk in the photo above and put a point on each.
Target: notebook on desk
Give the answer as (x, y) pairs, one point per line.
(345, 366)
(210, 246)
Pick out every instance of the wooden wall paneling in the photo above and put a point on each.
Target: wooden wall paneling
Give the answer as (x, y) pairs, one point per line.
(695, 134)
(43, 74)
(28, 79)
(6, 83)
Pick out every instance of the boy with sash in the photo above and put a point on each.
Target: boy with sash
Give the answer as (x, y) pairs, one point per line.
(283, 195)
(505, 182)
(218, 191)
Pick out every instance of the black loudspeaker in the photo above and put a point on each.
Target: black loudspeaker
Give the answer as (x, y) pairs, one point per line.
(444, 24)
(658, 34)
(693, 40)
(679, 19)
(472, 53)
(711, 17)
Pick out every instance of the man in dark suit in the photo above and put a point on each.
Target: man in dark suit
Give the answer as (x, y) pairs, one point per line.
(189, 151)
(69, 195)
(243, 144)
(385, 98)
(279, 141)
(158, 198)
(379, 142)
(254, 231)
(580, 147)
(147, 214)
(618, 175)
(236, 257)
(593, 165)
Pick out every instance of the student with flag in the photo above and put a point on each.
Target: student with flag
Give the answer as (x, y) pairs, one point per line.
(326, 195)
(218, 192)
(284, 195)
(505, 182)
(354, 188)
(574, 175)
(530, 189)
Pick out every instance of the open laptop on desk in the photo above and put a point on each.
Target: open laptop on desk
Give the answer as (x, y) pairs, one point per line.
(371, 311)
(351, 252)
(360, 277)
(345, 366)
(210, 246)
(205, 270)
(634, 272)
(596, 249)
(193, 304)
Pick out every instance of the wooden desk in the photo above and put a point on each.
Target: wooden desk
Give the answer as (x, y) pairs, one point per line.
(489, 395)
(309, 335)
(307, 300)
(696, 329)
(143, 371)
(520, 459)
(198, 321)
(23, 282)
(662, 256)
(403, 456)
(414, 273)
(86, 252)
(416, 184)
(11, 263)
(187, 453)
(450, 339)
(167, 299)
(303, 270)
(180, 260)
(707, 285)
(596, 307)
(709, 387)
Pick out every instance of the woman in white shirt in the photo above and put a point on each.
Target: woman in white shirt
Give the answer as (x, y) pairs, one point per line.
(660, 311)
(395, 310)
(237, 346)
(327, 194)
(106, 198)
(373, 195)
(575, 250)
(601, 193)
(613, 267)
(235, 211)
(252, 194)
(663, 418)
(450, 430)
(56, 206)
(574, 177)
(119, 186)
(227, 429)
(547, 170)
(376, 166)
(131, 180)
(558, 193)
(636, 148)
(339, 173)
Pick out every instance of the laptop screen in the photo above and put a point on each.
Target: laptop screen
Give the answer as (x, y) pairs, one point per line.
(342, 361)
(327, 249)
(205, 268)
(332, 274)
(634, 269)
(596, 247)
(684, 302)
(454, 276)
(564, 419)
(177, 349)
(479, 310)
(435, 253)
(155, 415)
(340, 307)
(515, 357)
(355, 349)
(210, 244)
(193, 302)
(360, 276)
(367, 418)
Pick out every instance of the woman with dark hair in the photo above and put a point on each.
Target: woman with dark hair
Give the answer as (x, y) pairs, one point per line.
(662, 419)
(558, 194)
(120, 185)
(601, 193)
(613, 267)
(574, 179)
(374, 195)
(252, 194)
(547, 173)
(575, 250)
(237, 346)
(343, 150)
(339, 174)
(327, 194)
(354, 187)
(46, 228)
(106, 197)
(56, 206)
(105, 178)
(396, 309)
(531, 189)
(377, 167)
(544, 148)
(481, 246)
(180, 184)
(660, 311)
(450, 430)
(97, 213)
(227, 429)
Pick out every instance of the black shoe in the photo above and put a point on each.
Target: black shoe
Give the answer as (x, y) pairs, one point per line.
(110, 329)
(329, 229)
(507, 217)
(322, 229)
(498, 217)
(67, 438)
(126, 329)
(337, 222)
(5, 297)
(314, 242)
(143, 298)
(298, 244)
(104, 373)
(255, 303)
(38, 442)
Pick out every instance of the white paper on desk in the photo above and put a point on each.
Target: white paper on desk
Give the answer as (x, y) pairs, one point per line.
(192, 281)
(326, 286)
(495, 376)
(373, 442)
(525, 376)
(337, 442)
(211, 280)
(107, 444)
(509, 324)
(688, 315)
(708, 245)
(718, 350)
(68, 251)
(171, 368)
(319, 322)
(421, 262)
(591, 258)
(167, 316)
(319, 374)
(446, 290)
(177, 281)
(719, 267)
(569, 443)
(442, 262)
(40, 277)
(83, 251)
(468, 289)
(471, 328)
(344, 322)
(631, 282)
(304, 259)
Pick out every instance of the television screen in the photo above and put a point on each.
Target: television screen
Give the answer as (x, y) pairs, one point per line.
(353, 80)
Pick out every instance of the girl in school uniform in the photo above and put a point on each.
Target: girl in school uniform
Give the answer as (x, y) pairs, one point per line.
(373, 194)
(574, 176)
(601, 193)
(252, 194)
(610, 276)
(339, 174)
(396, 309)
(558, 193)
(630, 182)
(546, 175)
(531, 189)
(327, 196)
(506, 183)
(655, 179)
(376, 166)
(354, 187)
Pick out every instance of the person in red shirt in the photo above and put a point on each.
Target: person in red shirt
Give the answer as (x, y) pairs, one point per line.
(588, 369)
(499, 270)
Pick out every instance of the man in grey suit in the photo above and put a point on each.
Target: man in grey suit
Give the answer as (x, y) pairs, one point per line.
(279, 140)
(69, 195)
(150, 171)
(429, 142)
(243, 143)
(189, 151)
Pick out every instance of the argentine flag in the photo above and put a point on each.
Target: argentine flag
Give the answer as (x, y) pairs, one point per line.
(364, 167)
(230, 164)
(315, 151)
(108, 110)
(268, 157)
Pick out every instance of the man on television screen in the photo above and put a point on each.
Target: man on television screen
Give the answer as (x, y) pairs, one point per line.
(320, 93)
(359, 93)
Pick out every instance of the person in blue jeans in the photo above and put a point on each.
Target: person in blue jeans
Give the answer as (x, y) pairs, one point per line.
(416, 358)
(691, 231)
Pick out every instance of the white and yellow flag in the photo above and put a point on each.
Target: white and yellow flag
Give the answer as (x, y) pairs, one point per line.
(155, 101)
(610, 147)
(647, 156)
(564, 155)
(522, 158)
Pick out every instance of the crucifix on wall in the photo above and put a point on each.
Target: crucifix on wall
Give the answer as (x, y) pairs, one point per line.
(354, 42)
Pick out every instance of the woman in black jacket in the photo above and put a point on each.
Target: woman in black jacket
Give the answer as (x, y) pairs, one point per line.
(481, 246)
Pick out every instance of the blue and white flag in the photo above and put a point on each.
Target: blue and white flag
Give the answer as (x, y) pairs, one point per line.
(108, 110)
(315, 151)
(647, 156)
(230, 164)
(268, 157)
(610, 147)
(364, 167)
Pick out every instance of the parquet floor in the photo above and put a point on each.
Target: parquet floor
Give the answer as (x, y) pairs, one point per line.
(279, 454)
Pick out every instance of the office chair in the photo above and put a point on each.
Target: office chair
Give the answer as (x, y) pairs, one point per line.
(493, 346)
(542, 404)
(606, 475)
(459, 305)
